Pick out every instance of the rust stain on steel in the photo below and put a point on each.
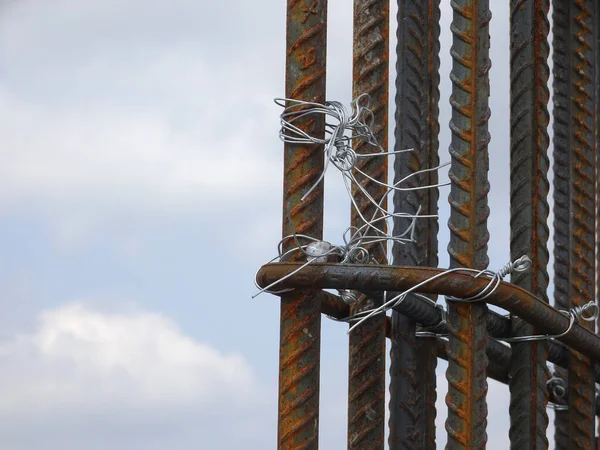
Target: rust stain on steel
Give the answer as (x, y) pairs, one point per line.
(366, 382)
(529, 52)
(575, 134)
(412, 387)
(561, 128)
(372, 278)
(597, 154)
(582, 200)
(333, 306)
(467, 360)
(494, 370)
(300, 333)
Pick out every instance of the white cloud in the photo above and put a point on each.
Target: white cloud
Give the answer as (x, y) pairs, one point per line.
(81, 359)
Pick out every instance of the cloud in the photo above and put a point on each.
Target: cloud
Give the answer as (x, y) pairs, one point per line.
(130, 369)
(127, 110)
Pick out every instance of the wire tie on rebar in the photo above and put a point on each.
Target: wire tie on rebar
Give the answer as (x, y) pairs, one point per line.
(430, 330)
(519, 265)
(588, 313)
(349, 297)
(558, 387)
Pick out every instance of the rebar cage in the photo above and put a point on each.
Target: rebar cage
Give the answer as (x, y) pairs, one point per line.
(472, 348)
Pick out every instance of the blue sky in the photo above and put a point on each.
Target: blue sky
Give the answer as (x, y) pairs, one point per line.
(140, 189)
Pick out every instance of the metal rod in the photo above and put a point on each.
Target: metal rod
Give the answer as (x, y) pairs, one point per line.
(467, 360)
(412, 385)
(575, 105)
(561, 101)
(369, 277)
(529, 73)
(335, 307)
(300, 340)
(596, 32)
(366, 382)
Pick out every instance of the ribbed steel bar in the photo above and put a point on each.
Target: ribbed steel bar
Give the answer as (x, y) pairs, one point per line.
(372, 278)
(366, 383)
(597, 112)
(467, 360)
(560, 52)
(575, 124)
(529, 73)
(412, 396)
(495, 370)
(300, 340)
(335, 307)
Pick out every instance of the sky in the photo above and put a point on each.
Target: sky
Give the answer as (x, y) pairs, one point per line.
(140, 190)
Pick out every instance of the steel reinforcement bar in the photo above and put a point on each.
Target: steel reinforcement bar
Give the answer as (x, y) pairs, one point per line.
(300, 323)
(368, 278)
(413, 361)
(529, 72)
(467, 360)
(366, 371)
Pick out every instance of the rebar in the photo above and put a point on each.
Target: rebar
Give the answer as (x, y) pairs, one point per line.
(575, 123)
(467, 360)
(334, 307)
(372, 278)
(366, 383)
(561, 156)
(299, 358)
(529, 212)
(412, 395)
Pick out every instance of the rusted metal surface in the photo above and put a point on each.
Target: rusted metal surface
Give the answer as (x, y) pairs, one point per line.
(412, 395)
(575, 120)
(429, 315)
(299, 358)
(529, 72)
(372, 278)
(494, 369)
(366, 383)
(561, 185)
(467, 360)
(597, 151)
(558, 354)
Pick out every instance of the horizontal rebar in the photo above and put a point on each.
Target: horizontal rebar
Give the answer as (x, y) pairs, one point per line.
(333, 306)
(367, 277)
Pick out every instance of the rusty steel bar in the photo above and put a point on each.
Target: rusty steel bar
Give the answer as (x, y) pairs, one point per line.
(467, 360)
(366, 382)
(560, 52)
(500, 372)
(494, 369)
(597, 154)
(372, 278)
(300, 334)
(576, 122)
(529, 73)
(412, 385)
(335, 307)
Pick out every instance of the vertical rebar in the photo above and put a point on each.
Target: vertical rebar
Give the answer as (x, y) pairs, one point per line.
(575, 124)
(467, 360)
(413, 362)
(597, 151)
(366, 383)
(300, 339)
(561, 127)
(529, 51)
